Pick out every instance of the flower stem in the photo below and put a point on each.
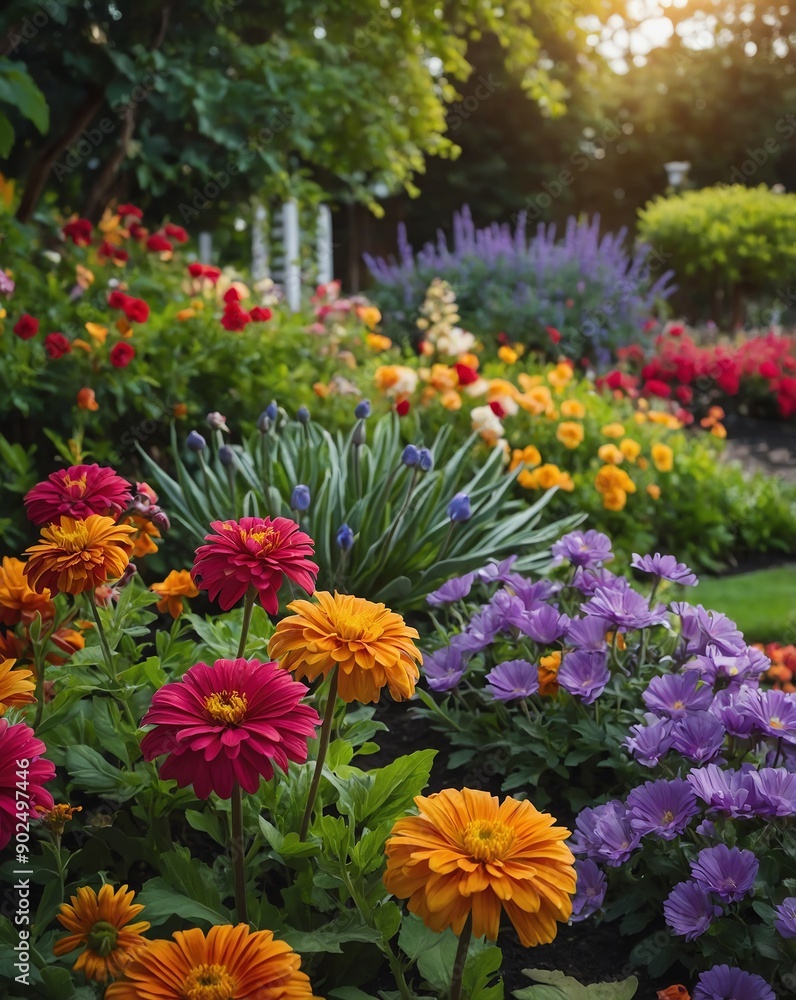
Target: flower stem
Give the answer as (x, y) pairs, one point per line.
(238, 854)
(108, 657)
(323, 746)
(38, 662)
(461, 958)
(248, 607)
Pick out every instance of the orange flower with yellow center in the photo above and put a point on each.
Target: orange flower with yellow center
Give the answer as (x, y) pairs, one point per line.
(466, 853)
(16, 687)
(100, 924)
(229, 963)
(171, 591)
(371, 645)
(55, 819)
(74, 556)
(18, 601)
(570, 433)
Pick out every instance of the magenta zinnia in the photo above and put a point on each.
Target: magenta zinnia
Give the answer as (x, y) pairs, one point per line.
(254, 552)
(22, 769)
(78, 491)
(229, 723)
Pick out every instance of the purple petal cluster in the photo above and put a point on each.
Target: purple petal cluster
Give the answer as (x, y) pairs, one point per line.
(588, 580)
(701, 629)
(589, 890)
(724, 982)
(673, 696)
(544, 625)
(624, 608)
(773, 712)
(725, 790)
(663, 808)
(665, 568)
(584, 674)
(727, 871)
(650, 742)
(605, 834)
(786, 916)
(583, 549)
(512, 679)
(689, 910)
(588, 632)
(444, 668)
(699, 737)
(455, 589)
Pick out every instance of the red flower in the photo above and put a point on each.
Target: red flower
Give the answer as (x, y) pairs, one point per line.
(768, 369)
(136, 310)
(197, 270)
(465, 374)
(79, 232)
(654, 387)
(56, 345)
(259, 314)
(117, 299)
(684, 393)
(729, 381)
(138, 232)
(158, 243)
(231, 295)
(125, 211)
(79, 491)
(122, 354)
(614, 379)
(684, 416)
(402, 408)
(235, 318)
(497, 409)
(649, 325)
(553, 334)
(676, 330)
(503, 339)
(254, 552)
(107, 251)
(26, 327)
(176, 232)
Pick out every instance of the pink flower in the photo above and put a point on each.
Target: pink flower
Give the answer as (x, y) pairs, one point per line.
(21, 760)
(79, 491)
(229, 723)
(256, 552)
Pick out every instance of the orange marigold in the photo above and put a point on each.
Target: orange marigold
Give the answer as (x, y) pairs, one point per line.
(466, 853)
(75, 556)
(372, 646)
(100, 924)
(18, 601)
(16, 686)
(171, 591)
(143, 537)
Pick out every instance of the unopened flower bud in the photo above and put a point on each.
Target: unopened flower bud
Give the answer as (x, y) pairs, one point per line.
(226, 455)
(362, 410)
(410, 456)
(300, 498)
(425, 460)
(303, 415)
(345, 538)
(459, 508)
(272, 410)
(217, 421)
(196, 442)
(127, 576)
(159, 518)
(264, 422)
(360, 435)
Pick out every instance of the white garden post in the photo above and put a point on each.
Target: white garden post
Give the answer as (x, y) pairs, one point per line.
(324, 245)
(291, 238)
(205, 248)
(259, 243)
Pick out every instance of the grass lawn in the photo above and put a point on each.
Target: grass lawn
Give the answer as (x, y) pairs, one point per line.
(763, 603)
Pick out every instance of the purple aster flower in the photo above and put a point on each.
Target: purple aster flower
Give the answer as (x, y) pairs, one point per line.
(444, 668)
(701, 628)
(453, 590)
(532, 594)
(662, 807)
(589, 891)
(650, 742)
(584, 675)
(730, 670)
(480, 632)
(773, 712)
(588, 632)
(512, 679)
(584, 840)
(665, 568)
(675, 695)
(583, 549)
(725, 983)
(508, 611)
(588, 580)
(689, 911)
(495, 572)
(624, 608)
(727, 871)
(774, 792)
(615, 836)
(725, 790)
(699, 737)
(544, 625)
(735, 719)
(786, 913)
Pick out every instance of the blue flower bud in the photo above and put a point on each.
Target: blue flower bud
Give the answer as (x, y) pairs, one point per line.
(300, 498)
(345, 537)
(196, 442)
(263, 422)
(425, 460)
(303, 415)
(459, 508)
(272, 410)
(362, 411)
(226, 455)
(411, 456)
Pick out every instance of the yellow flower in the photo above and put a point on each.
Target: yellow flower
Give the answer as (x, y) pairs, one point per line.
(663, 457)
(144, 535)
(611, 477)
(371, 646)
(719, 431)
(643, 463)
(377, 342)
(468, 855)
(97, 332)
(536, 400)
(566, 482)
(639, 417)
(548, 476)
(614, 499)
(6, 191)
(529, 382)
(530, 456)
(654, 491)
(16, 687)
(614, 430)
(630, 449)
(19, 602)
(611, 454)
(570, 433)
(508, 355)
(560, 376)
(185, 314)
(396, 380)
(548, 673)
(573, 408)
(83, 276)
(82, 345)
(370, 316)
(74, 556)
(171, 591)
(451, 399)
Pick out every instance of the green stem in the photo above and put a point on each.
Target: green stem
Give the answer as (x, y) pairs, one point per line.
(38, 663)
(238, 854)
(357, 473)
(323, 746)
(396, 522)
(338, 576)
(461, 958)
(108, 657)
(447, 541)
(248, 607)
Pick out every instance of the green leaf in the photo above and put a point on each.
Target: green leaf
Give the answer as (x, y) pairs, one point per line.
(557, 986)
(89, 770)
(395, 787)
(162, 902)
(57, 983)
(327, 939)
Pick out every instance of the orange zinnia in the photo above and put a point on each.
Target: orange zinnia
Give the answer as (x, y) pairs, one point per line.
(372, 646)
(144, 533)
(178, 584)
(16, 687)
(228, 963)
(100, 924)
(75, 556)
(466, 853)
(18, 601)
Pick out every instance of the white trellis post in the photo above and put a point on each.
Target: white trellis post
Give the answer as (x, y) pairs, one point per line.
(259, 243)
(291, 238)
(205, 248)
(325, 253)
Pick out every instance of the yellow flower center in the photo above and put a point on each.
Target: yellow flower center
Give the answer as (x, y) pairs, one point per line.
(80, 483)
(487, 841)
(267, 539)
(208, 982)
(226, 706)
(775, 723)
(75, 540)
(668, 816)
(102, 938)
(678, 704)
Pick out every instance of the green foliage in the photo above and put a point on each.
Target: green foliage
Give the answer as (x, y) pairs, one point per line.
(557, 986)
(18, 91)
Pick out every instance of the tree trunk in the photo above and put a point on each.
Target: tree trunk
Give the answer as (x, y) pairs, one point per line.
(40, 171)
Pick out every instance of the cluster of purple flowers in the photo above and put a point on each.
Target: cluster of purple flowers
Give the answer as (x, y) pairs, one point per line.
(719, 875)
